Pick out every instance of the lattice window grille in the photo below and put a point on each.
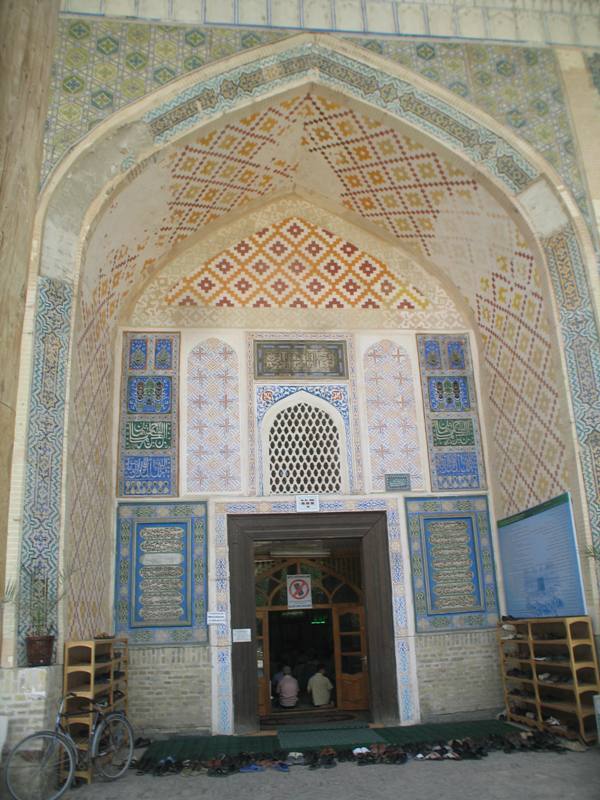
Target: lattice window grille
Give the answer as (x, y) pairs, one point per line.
(304, 451)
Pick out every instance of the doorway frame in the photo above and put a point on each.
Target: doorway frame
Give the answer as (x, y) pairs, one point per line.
(370, 528)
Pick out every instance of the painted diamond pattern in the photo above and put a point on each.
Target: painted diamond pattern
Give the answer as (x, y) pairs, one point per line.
(529, 450)
(295, 264)
(391, 415)
(213, 426)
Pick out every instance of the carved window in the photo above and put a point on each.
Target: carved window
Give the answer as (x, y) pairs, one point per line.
(304, 451)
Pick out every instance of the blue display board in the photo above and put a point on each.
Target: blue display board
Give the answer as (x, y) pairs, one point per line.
(540, 563)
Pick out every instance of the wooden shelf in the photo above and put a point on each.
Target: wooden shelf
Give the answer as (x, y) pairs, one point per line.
(574, 711)
(95, 659)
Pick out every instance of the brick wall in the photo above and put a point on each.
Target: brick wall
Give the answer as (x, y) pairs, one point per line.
(169, 690)
(459, 675)
(29, 698)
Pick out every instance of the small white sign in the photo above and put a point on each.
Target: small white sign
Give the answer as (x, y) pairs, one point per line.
(216, 618)
(307, 502)
(242, 635)
(299, 591)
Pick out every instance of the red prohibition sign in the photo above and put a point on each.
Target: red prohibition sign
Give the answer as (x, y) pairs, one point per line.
(299, 589)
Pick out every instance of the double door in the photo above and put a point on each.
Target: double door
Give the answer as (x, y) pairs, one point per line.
(350, 657)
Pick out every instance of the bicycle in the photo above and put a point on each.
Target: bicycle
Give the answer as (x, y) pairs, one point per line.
(42, 765)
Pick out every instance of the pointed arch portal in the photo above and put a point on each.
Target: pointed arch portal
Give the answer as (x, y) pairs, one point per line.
(376, 146)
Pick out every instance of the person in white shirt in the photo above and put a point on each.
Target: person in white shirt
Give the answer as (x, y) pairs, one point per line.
(319, 687)
(288, 689)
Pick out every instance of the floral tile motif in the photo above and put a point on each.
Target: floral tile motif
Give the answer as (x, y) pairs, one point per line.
(519, 87)
(391, 415)
(102, 65)
(213, 424)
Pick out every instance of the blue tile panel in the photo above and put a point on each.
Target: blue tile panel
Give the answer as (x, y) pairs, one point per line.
(452, 563)
(161, 588)
(148, 429)
(451, 419)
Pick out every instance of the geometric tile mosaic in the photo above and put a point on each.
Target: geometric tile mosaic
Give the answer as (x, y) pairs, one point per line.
(148, 430)
(151, 309)
(391, 414)
(451, 551)
(294, 264)
(102, 65)
(451, 419)
(529, 451)
(43, 477)
(136, 255)
(213, 419)
(160, 585)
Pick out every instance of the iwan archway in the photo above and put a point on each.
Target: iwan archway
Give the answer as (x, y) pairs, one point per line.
(338, 129)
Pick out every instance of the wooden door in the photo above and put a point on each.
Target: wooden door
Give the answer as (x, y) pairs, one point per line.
(262, 662)
(350, 645)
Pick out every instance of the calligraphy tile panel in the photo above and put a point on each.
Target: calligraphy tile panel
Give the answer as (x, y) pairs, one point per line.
(452, 563)
(148, 430)
(160, 592)
(393, 437)
(213, 419)
(451, 418)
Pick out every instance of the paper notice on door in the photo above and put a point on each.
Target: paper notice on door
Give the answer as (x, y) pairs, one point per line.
(242, 635)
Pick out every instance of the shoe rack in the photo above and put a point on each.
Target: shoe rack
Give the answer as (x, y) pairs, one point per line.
(97, 670)
(550, 674)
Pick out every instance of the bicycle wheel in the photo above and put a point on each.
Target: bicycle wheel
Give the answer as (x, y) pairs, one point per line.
(41, 767)
(112, 746)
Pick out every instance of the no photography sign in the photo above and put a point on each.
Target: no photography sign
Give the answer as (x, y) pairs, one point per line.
(299, 591)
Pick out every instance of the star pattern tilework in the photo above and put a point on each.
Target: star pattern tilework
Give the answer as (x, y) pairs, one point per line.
(102, 65)
(295, 264)
(213, 426)
(391, 416)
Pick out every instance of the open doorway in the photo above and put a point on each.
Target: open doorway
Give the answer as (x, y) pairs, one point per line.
(326, 635)
(303, 640)
(346, 556)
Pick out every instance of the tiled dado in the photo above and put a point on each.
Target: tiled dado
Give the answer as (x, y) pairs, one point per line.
(406, 676)
(542, 21)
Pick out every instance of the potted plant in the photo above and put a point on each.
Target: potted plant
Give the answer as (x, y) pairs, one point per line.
(42, 597)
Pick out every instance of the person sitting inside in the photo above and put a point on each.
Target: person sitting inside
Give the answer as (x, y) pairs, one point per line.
(288, 689)
(319, 687)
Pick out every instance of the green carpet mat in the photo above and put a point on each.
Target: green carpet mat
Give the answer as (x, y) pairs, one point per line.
(444, 731)
(198, 748)
(306, 738)
(338, 737)
(324, 726)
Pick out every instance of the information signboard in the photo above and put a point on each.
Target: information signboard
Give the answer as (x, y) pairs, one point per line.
(540, 563)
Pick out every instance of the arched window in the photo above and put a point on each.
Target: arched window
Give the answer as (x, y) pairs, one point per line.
(304, 444)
